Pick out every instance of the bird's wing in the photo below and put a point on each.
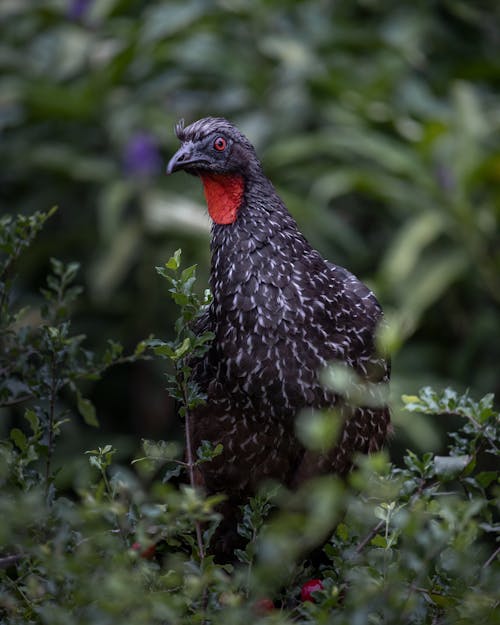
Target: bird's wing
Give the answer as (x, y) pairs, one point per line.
(352, 320)
(355, 315)
(356, 291)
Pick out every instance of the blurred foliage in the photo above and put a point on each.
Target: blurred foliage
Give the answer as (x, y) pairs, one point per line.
(417, 544)
(42, 363)
(378, 122)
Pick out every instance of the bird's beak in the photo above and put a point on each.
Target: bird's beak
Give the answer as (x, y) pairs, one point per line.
(186, 155)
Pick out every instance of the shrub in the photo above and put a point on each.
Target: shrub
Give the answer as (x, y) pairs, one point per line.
(416, 543)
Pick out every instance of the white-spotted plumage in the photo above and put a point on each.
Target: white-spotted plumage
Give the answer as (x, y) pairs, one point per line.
(280, 314)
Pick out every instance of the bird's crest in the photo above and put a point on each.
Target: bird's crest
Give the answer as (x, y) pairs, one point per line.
(179, 129)
(203, 127)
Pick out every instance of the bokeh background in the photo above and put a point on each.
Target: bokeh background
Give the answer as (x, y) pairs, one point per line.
(377, 120)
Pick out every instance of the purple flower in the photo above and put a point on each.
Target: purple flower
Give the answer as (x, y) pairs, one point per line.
(445, 178)
(78, 8)
(141, 156)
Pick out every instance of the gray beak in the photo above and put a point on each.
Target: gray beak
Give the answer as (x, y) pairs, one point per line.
(185, 155)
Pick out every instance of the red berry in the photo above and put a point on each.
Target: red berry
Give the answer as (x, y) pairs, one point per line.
(136, 546)
(149, 552)
(306, 592)
(264, 605)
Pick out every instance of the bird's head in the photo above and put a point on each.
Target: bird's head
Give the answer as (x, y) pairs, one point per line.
(212, 146)
(216, 151)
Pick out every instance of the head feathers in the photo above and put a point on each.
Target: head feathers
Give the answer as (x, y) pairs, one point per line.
(203, 127)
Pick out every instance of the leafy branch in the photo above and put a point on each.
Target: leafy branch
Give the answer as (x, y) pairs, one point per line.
(40, 358)
(16, 234)
(183, 352)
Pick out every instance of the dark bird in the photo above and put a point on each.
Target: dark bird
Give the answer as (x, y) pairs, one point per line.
(280, 314)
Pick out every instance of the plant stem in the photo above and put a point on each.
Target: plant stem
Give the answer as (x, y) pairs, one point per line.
(16, 586)
(190, 465)
(7, 561)
(16, 401)
(491, 558)
(107, 485)
(197, 524)
(50, 425)
(371, 534)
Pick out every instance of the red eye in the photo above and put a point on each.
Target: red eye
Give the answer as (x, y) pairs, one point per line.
(220, 144)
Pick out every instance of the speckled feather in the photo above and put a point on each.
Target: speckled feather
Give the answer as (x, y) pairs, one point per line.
(280, 314)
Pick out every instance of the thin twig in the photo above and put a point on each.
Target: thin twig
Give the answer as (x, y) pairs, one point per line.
(16, 586)
(100, 369)
(427, 591)
(191, 463)
(491, 558)
(7, 561)
(16, 400)
(190, 467)
(52, 405)
(479, 427)
(371, 534)
(192, 481)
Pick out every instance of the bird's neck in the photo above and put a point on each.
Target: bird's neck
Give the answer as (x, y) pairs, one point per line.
(224, 194)
(262, 242)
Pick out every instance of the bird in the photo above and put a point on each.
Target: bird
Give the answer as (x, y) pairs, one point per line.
(280, 314)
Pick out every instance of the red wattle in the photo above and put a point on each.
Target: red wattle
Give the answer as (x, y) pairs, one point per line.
(223, 194)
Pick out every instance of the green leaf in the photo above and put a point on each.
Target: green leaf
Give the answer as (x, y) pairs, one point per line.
(183, 348)
(485, 478)
(345, 381)
(174, 262)
(95, 461)
(342, 532)
(450, 466)
(181, 299)
(87, 410)
(113, 351)
(188, 273)
(379, 541)
(164, 350)
(443, 601)
(318, 430)
(410, 399)
(33, 420)
(436, 272)
(140, 348)
(175, 471)
(207, 452)
(407, 247)
(19, 438)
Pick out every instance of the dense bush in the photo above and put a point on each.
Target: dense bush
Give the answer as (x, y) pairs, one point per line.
(377, 121)
(416, 543)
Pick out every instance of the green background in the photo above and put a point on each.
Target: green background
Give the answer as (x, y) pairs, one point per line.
(378, 122)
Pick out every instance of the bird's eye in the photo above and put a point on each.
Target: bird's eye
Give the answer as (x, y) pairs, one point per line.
(220, 144)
